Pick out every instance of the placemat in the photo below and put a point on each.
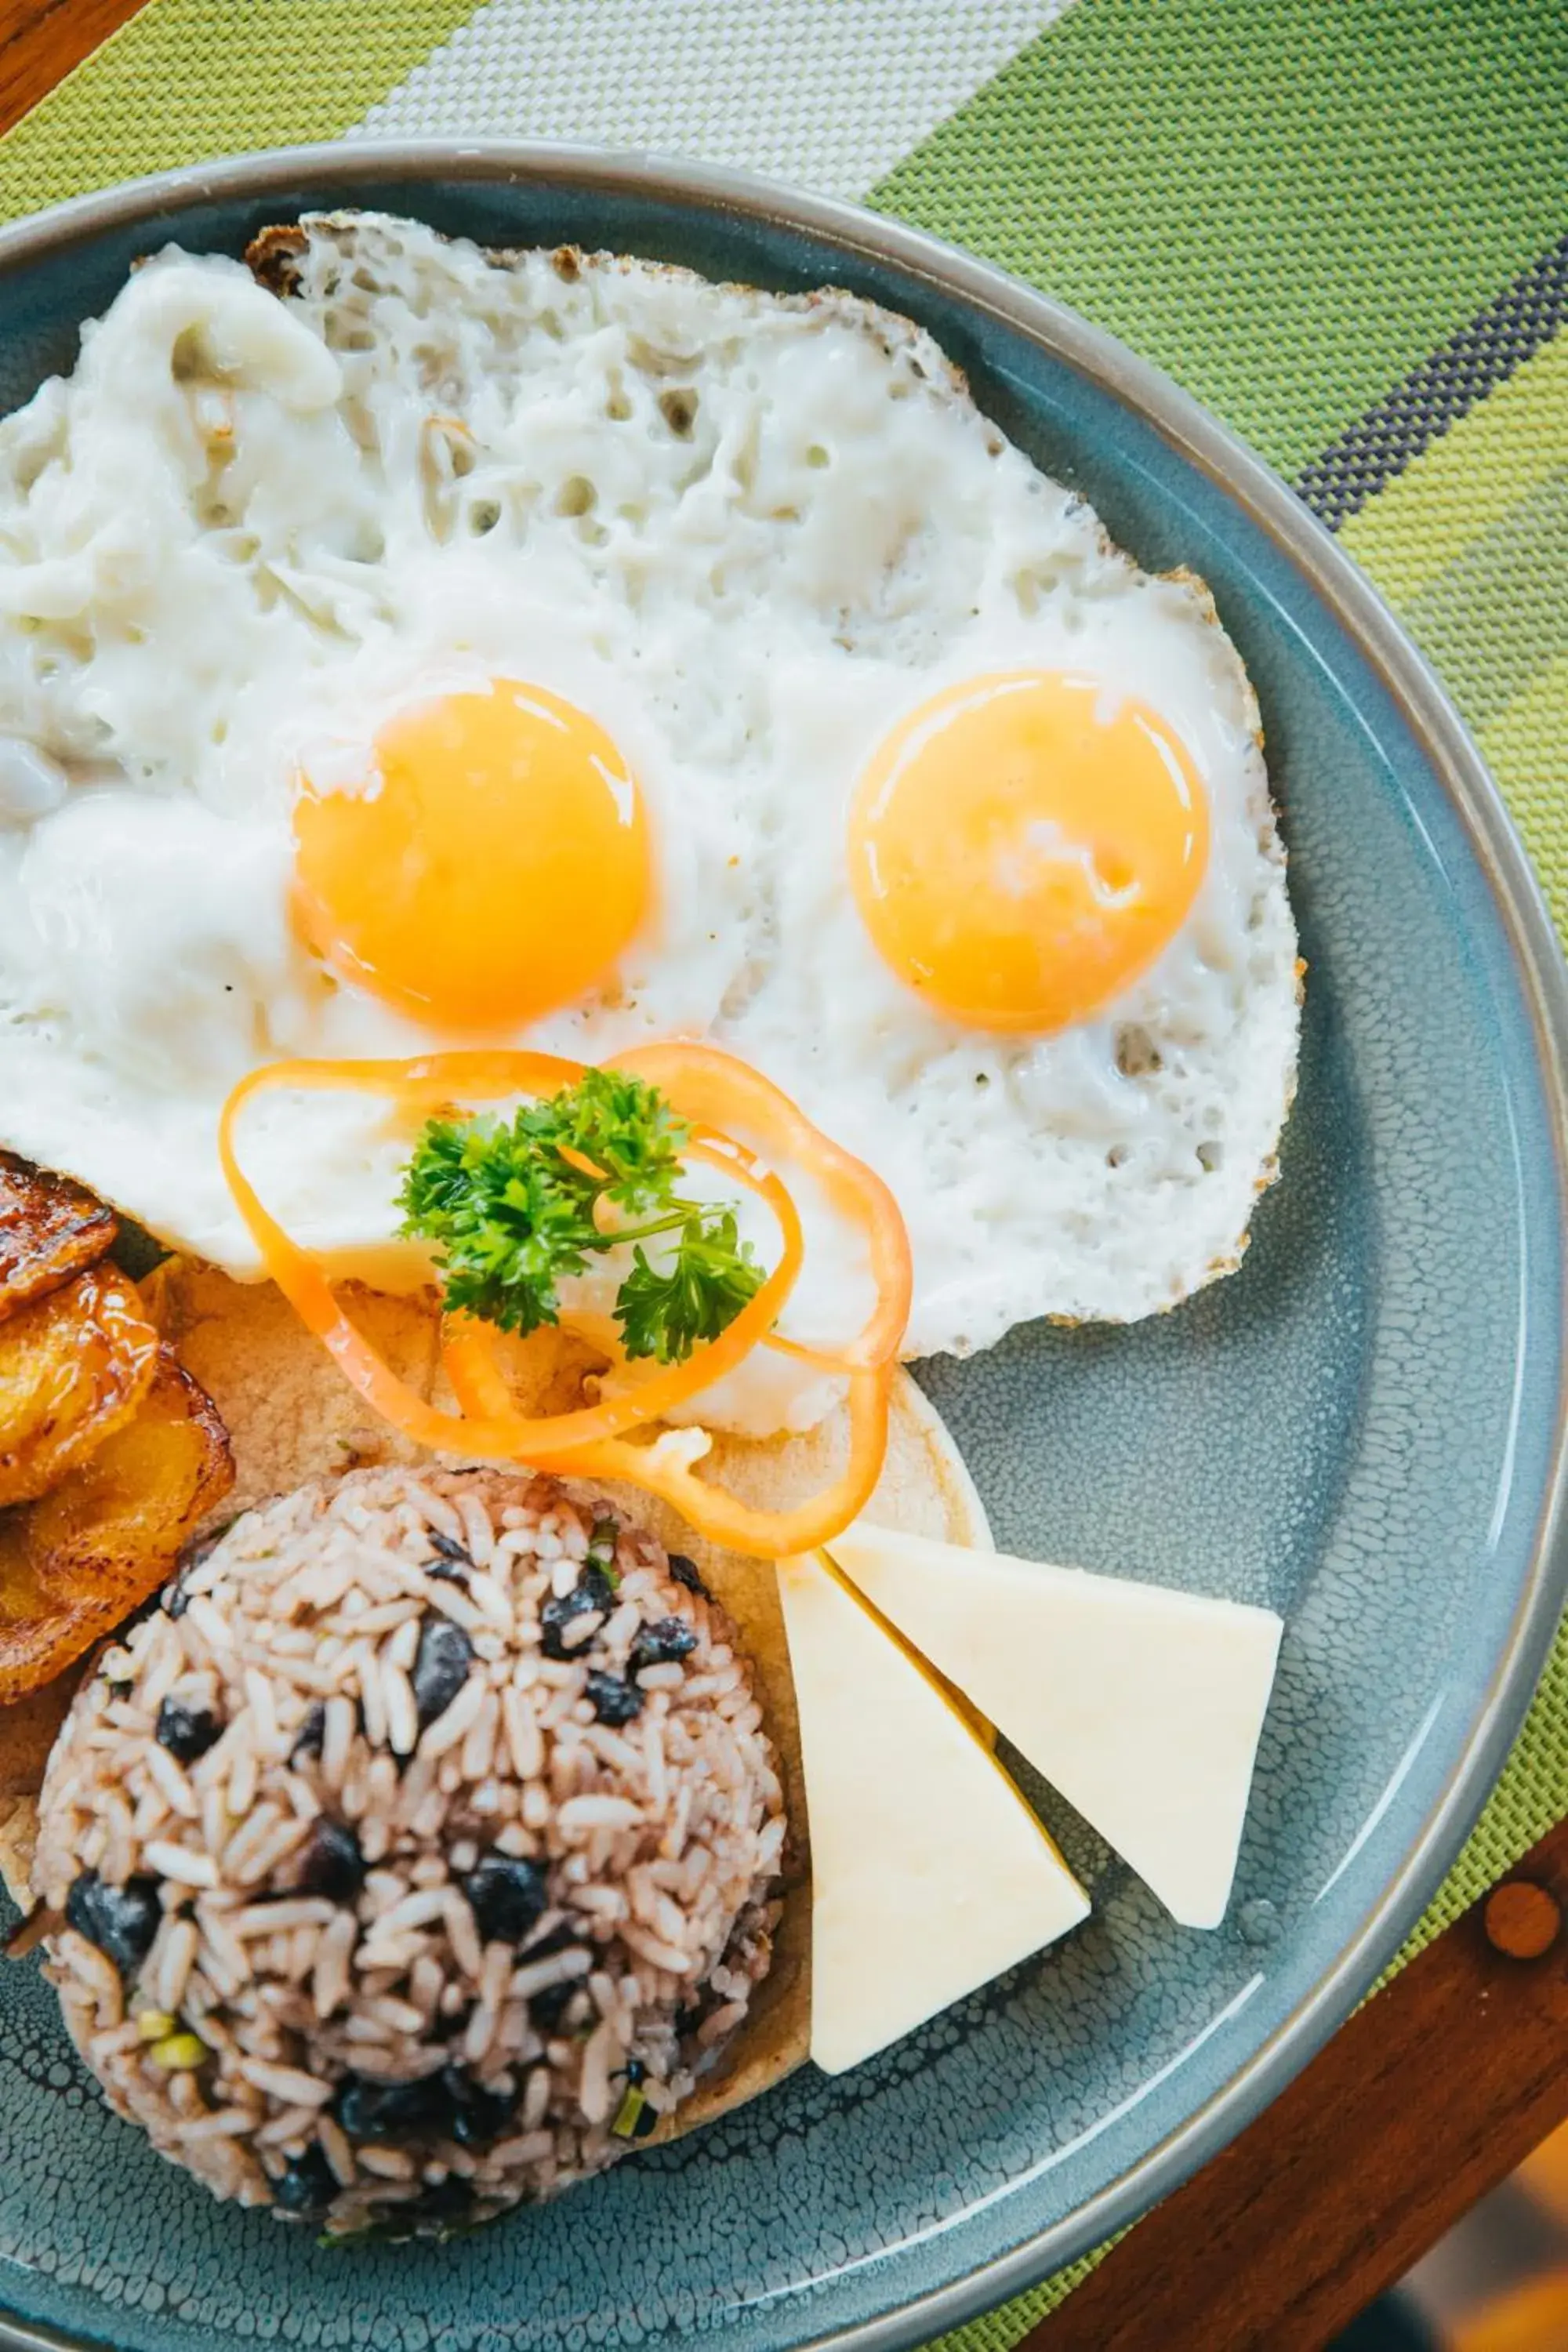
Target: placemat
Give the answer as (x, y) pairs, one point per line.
(1345, 228)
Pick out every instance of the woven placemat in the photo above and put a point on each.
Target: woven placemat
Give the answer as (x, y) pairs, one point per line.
(1345, 228)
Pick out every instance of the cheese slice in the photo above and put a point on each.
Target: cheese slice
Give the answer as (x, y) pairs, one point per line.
(1142, 1706)
(930, 1873)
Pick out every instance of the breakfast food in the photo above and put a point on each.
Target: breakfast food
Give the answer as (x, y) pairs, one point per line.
(49, 1230)
(1143, 1706)
(75, 1562)
(845, 740)
(241, 1591)
(682, 873)
(415, 1851)
(930, 1873)
(109, 1452)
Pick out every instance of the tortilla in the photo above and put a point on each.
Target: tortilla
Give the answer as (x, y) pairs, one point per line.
(28, 1728)
(924, 1490)
(293, 1417)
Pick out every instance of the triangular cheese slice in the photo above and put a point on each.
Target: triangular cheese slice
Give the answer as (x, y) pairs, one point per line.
(930, 1873)
(1142, 1706)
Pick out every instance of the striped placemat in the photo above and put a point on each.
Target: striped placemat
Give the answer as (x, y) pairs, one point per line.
(1345, 227)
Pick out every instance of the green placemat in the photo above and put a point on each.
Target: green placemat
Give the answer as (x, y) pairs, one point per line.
(1344, 223)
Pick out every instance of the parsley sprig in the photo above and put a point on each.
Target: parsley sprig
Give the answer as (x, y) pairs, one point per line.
(513, 1207)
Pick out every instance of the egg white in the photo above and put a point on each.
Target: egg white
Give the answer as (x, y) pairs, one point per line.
(748, 535)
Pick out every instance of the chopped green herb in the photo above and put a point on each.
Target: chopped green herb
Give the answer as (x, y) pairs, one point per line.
(602, 1544)
(712, 1277)
(514, 1207)
(634, 2117)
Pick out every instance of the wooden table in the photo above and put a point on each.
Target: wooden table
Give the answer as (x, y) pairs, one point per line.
(1420, 2104)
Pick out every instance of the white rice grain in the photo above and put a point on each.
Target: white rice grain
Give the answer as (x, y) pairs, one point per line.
(403, 1647)
(277, 1918)
(479, 1743)
(448, 1728)
(263, 1712)
(371, 1694)
(555, 1968)
(518, 2155)
(244, 1777)
(175, 1962)
(335, 2148)
(334, 1953)
(673, 1962)
(600, 2053)
(491, 1601)
(179, 1863)
(290, 2083)
(402, 1715)
(478, 1536)
(229, 2123)
(580, 1815)
(337, 1736)
(172, 1783)
(202, 1617)
(291, 2124)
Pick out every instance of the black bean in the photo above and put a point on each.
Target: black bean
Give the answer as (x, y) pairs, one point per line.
(187, 1732)
(308, 2187)
(440, 1666)
(449, 2106)
(452, 1562)
(663, 1644)
(591, 1595)
(313, 1734)
(332, 1865)
(559, 1611)
(546, 2009)
(121, 1920)
(507, 1896)
(449, 2200)
(392, 2111)
(615, 1702)
(481, 2115)
(684, 1571)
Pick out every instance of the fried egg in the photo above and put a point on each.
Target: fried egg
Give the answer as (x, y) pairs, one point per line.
(433, 648)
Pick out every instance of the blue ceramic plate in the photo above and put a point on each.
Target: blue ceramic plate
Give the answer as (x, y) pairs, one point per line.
(1364, 1427)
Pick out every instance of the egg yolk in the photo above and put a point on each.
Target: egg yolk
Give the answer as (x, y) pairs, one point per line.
(494, 866)
(1025, 845)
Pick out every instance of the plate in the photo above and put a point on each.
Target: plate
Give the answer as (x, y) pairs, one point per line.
(1364, 1427)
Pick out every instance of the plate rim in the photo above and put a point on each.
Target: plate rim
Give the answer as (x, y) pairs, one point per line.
(1449, 750)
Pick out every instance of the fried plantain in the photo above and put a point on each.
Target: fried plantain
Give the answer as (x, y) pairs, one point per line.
(50, 1229)
(75, 1562)
(74, 1366)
